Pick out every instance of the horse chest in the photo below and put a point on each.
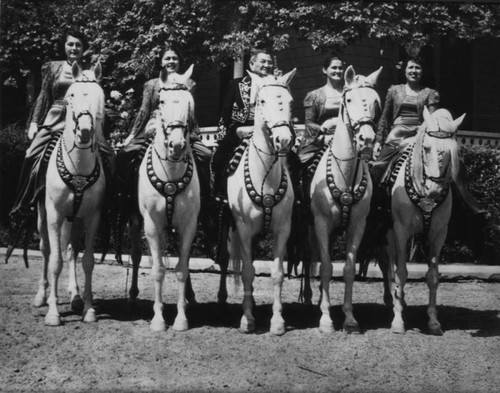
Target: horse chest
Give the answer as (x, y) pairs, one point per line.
(426, 204)
(348, 197)
(78, 184)
(171, 189)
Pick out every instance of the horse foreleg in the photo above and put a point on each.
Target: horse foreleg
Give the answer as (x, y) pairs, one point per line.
(401, 237)
(88, 262)
(277, 276)
(55, 265)
(186, 237)
(153, 234)
(354, 236)
(247, 323)
(436, 241)
(70, 236)
(223, 262)
(323, 229)
(136, 254)
(41, 295)
(386, 258)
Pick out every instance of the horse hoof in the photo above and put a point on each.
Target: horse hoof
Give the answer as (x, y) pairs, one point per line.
(52, 320)
(247, 326)
(158, 325)
(351, 328)
(435, 329)
(77, 304)
(398, 328)
(325, 325)
(180, 325)
(90, 316)
(40, 301)
(277, 327)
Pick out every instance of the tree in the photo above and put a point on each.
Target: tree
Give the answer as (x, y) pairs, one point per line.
(128, 34)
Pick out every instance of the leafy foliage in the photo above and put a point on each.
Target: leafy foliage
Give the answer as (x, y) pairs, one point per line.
(128, 34)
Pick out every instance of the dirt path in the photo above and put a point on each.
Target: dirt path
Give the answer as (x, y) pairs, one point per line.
(120, 353)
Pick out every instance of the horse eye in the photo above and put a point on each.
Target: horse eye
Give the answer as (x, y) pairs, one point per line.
(348, 100)
(162, 102)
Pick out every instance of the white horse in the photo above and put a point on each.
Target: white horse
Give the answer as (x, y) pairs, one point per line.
(421, 202)
(341, 187)
(260, 193)
(74, 194)
(169, 191)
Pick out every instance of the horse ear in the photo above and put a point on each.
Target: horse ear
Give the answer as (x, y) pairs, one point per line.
(372, 78)
(287, 78)
(350, 75)
(97, 69)
(76, 70)
(188, 73)
(457, 122)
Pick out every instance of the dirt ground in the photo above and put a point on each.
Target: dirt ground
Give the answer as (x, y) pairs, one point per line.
(121, 353)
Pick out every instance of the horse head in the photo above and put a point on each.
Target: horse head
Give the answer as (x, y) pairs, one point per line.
(176, 113)
(361, 109)
(85, 104)
(436, 154)
(273, 107)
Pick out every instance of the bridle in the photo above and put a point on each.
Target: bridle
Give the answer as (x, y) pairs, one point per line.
(439, 134)
(168, 127)
(77, 117)
(355, 126)
(270, 127)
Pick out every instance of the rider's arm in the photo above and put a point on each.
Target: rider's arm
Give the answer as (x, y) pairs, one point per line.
(313, 129)
(44, 99)
(386, 118)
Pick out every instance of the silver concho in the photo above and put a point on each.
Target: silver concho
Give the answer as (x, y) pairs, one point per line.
(268, 200)
(346, 199)
(79, 182)
(427, 204)
(170, 188)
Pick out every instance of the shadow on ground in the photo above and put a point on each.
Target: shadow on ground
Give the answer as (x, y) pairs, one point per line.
(370, 316)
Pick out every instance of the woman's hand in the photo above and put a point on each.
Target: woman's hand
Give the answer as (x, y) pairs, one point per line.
(127, 140)
(329, 125)
(32, 131)
(244, 132)
(376, 150)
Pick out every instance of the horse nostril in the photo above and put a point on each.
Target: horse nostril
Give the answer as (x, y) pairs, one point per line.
(277, 139)
(361, 138)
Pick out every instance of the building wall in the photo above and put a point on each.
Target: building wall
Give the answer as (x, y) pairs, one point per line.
(466, 75)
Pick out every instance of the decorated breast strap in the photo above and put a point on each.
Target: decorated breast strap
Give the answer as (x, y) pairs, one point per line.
(425, 204)
(236, 158)
(346, 198)
(77, 183)
(266, 201)
(168, 189)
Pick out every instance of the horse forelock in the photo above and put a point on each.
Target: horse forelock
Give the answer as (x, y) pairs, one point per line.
(91, 93)
(171, 113)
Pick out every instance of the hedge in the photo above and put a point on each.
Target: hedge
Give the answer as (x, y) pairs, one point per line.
(482, 166)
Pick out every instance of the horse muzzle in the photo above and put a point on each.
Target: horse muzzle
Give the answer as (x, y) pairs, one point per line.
(84, 136)
(176, 150)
